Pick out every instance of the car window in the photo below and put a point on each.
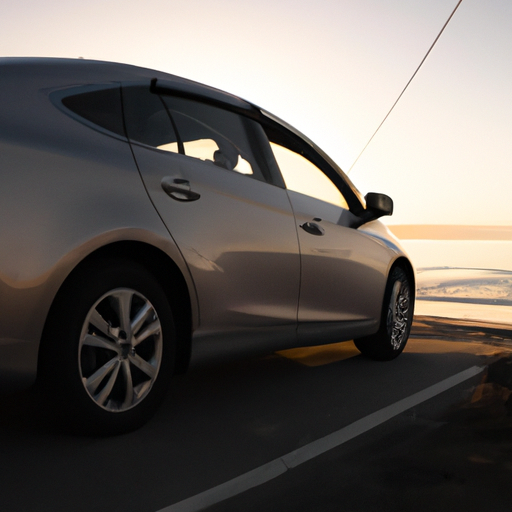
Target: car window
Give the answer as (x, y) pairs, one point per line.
(147, 120)
(212, 148)
(301, 175)
(208, 151)
(218, 137)
(100, 105)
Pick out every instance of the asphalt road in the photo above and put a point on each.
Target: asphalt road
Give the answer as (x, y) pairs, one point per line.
(227, 421)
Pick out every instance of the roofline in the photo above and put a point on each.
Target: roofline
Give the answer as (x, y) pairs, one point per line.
(165, 83)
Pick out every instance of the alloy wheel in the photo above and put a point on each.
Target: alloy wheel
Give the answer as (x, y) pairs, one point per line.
(120, 349)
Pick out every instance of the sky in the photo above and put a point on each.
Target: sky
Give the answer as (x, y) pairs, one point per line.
(333, 69)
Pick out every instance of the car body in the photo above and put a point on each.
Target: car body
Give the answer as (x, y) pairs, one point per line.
(146, 218)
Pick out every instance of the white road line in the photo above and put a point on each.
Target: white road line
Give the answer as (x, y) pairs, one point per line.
(293, 459)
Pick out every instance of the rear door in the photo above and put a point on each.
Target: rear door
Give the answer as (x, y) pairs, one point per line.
(207, 177)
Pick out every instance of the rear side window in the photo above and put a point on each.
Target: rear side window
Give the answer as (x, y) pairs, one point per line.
(147, 120)
(216, 136)
(100, 106)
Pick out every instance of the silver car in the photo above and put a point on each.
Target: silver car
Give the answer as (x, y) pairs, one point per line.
(146, 218)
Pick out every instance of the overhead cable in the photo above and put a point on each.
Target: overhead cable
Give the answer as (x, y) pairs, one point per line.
(407, 85)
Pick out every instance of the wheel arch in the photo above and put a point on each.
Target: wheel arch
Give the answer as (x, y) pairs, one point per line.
(165, 271)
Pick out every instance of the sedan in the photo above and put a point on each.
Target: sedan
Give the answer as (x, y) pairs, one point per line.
(148, 219)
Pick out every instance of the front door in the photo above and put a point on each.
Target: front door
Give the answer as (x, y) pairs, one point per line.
(343, 270)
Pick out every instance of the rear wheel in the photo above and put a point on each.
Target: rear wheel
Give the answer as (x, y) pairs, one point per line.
(109, 348)
(396, 320)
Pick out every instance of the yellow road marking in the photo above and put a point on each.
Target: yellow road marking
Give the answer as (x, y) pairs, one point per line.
(322, 354)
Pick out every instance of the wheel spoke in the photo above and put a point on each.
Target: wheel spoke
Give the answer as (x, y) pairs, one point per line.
(128, 398)
(124, 302)
(399, 307)
(394, 299)
(141, 317)
(101, 398)
(92, 382)
(152, 328)
(99, 322)
(143, 388)
(143, 365)
(100, 342)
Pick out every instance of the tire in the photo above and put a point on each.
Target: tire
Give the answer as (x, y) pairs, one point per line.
(108, 349)
(396, 320)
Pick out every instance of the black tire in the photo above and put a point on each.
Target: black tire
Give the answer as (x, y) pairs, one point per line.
(396, 320)
(108, 348)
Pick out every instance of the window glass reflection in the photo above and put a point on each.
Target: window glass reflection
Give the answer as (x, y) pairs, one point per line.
(300, 175)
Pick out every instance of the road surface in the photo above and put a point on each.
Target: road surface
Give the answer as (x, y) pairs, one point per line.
(327, 429)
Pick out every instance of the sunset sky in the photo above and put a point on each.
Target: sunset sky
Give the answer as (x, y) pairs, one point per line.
(332, 68)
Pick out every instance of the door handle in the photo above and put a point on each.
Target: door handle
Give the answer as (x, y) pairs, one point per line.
(312, 228)
(179, 189)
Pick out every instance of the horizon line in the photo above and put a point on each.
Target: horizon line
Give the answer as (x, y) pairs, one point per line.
(450, 232)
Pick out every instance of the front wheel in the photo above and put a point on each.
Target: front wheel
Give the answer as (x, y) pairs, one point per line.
(396, 320)
(109, 348)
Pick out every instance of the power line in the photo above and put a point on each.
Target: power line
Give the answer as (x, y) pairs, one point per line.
(406, 85)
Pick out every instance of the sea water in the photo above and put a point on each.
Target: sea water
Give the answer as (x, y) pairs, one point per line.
(463, 279)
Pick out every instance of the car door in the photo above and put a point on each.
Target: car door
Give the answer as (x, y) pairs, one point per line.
(203, 172)
(343, 270)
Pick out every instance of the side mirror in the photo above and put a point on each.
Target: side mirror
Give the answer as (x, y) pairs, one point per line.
(378, 205)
